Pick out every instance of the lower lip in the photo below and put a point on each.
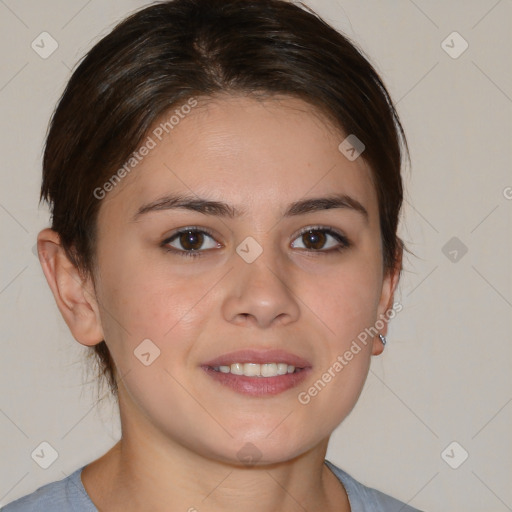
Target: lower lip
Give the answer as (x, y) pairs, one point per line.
(258, 386)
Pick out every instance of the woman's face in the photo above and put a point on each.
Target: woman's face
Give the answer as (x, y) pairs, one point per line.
(183, 316)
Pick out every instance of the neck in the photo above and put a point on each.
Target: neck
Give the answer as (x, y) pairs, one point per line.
(145, 477)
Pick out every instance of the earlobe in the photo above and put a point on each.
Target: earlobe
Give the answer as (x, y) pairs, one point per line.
(73, 293)
(389, 285)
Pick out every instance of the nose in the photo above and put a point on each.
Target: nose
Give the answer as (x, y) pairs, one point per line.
(260, 293)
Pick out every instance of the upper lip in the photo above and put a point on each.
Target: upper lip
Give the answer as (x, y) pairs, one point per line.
(258, 356)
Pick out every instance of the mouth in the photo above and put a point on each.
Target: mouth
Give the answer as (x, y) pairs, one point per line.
(258, 373)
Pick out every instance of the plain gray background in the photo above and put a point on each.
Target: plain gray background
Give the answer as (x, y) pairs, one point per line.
(445, 374)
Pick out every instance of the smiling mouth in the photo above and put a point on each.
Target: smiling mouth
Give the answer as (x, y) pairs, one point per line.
(258, 372)
(264, 370)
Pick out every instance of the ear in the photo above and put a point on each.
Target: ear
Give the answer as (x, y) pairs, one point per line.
(73, 293)
(389, 284)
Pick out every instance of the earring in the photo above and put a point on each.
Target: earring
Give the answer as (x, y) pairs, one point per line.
(383, 339)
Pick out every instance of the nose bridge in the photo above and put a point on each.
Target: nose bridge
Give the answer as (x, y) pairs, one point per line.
(265, 271)
(261, 290)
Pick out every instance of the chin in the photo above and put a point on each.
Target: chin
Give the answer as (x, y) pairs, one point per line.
(261, 449)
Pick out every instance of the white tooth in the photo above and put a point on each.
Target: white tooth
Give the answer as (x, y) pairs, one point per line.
(237, 368)
(269, 370)
(282, 369)
(257, 370)
(252, 369)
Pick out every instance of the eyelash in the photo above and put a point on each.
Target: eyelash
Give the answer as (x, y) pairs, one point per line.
(345, 243)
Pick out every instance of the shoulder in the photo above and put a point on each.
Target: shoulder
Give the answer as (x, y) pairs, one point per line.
(67, 495)
(366, 499)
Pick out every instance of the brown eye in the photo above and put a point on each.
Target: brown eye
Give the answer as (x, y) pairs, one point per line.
(320, 240)
(189, 241)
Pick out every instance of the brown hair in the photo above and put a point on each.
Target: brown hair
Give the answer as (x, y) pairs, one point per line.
(166, 53)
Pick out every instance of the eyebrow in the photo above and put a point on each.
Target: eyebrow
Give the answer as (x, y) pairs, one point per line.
(221, 209)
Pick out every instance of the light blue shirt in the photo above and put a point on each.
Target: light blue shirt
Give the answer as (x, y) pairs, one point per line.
(69, 495)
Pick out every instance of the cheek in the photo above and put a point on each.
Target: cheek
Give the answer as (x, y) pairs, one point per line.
(345, 300)
(345, 304)
(142, 302)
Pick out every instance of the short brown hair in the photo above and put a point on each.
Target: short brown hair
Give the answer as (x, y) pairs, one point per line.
(164, 54)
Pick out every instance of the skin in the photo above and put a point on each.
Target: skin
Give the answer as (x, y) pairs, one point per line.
(181, 429)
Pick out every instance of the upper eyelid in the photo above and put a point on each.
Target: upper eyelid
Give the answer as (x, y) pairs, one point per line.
(318, 227)
(190, 228)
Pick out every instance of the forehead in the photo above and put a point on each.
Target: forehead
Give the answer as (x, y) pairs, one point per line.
(242, 151)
